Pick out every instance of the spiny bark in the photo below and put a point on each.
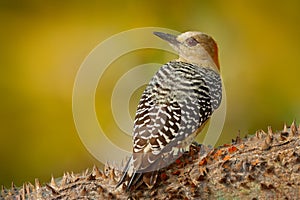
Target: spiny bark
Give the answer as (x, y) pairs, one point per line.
(263, 166)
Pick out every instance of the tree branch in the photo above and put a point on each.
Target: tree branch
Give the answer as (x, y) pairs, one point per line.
(264, 166)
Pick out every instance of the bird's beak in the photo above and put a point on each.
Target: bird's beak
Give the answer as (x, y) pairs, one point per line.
(168, 37)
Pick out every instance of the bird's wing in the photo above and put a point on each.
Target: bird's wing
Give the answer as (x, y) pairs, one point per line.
(170, 110)
(156, 126)
(174, 107)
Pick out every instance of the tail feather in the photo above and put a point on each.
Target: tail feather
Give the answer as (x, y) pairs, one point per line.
(126, 169)
(135, 177)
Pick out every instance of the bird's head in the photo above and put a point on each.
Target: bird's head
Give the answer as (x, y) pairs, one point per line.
(194, 47)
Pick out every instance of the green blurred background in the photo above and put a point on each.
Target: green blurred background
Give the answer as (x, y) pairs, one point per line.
(43, 44)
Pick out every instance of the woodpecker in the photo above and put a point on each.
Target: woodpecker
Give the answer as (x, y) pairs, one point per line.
(176, 104)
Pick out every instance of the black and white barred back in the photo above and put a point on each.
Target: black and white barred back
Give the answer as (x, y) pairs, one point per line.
(175, 105)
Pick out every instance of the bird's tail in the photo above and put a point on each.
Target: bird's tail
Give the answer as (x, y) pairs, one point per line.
(135, 178)
(131, 174)
(125, 172)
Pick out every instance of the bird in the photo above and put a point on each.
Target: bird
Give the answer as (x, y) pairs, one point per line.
(175, 106)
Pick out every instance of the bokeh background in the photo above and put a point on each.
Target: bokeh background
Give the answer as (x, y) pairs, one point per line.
(43, 43)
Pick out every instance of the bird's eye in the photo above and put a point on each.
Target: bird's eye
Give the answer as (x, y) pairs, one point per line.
(191, 41)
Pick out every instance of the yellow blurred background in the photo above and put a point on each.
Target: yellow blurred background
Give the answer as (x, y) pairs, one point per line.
(43, 44)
